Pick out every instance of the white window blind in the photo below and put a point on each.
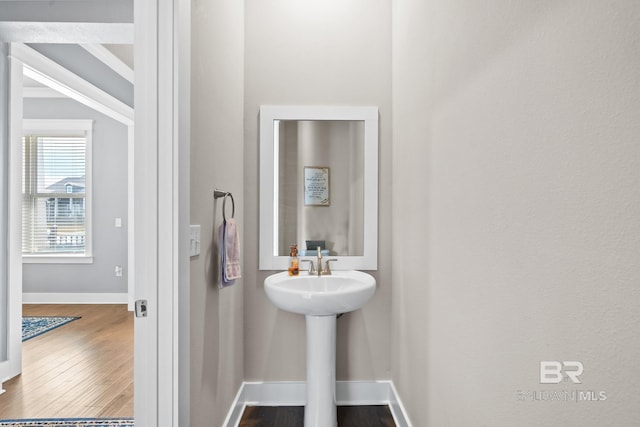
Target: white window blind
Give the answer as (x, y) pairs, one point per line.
(56, 188)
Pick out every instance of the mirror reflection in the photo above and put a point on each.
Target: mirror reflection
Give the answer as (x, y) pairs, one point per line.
(319, 184)
(320, 190)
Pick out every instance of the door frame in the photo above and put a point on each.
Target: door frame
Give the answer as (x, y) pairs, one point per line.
(161, 197)
(13, 365)
(161, 188)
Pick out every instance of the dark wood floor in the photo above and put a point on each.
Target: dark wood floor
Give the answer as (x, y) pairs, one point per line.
(293, 416)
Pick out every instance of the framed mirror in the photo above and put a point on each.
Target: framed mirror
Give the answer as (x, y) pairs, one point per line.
(319, 185)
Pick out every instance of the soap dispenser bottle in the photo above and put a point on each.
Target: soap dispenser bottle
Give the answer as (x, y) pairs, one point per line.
(294, 261)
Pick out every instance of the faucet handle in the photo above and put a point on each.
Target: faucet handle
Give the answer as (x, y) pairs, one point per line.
(327, 268)
(311, 269)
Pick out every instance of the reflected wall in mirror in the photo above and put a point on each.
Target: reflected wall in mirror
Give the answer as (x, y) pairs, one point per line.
(319, 184)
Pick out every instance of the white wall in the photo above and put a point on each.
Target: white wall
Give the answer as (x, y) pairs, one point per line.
(4, 194)
(323, 53)
(519, 121)
(217, 149)
(109, 202)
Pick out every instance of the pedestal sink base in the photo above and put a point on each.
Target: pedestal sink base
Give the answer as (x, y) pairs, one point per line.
(320, 410)
(320, 299)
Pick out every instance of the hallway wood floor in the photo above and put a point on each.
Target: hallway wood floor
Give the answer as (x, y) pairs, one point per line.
(82, 369)
(293, 416)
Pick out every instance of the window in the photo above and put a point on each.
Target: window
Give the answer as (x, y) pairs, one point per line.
(56, 190)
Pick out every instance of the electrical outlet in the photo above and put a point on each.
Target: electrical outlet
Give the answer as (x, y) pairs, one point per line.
(118, 271)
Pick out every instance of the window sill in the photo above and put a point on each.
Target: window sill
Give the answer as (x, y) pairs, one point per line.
(57, 259)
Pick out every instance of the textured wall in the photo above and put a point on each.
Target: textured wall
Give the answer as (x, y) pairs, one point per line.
(520, 121)
(323, 53)
(217, 152)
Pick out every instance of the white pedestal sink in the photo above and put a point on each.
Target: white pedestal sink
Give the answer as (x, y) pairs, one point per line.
(320, 299)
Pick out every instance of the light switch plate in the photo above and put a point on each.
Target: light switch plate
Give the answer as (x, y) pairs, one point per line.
(194, 240)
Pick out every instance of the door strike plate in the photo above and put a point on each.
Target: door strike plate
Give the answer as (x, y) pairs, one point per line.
(141, 308)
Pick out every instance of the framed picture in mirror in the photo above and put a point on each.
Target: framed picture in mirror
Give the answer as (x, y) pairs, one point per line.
(316, 186)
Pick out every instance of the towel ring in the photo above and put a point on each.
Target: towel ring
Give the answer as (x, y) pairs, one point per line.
(217, 194)
(224, 206)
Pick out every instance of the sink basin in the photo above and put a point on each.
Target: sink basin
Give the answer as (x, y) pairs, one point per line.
(308, 294)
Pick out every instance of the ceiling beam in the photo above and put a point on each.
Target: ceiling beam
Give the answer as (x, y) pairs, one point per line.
(43, 70)
(109, 59)
(66, 32)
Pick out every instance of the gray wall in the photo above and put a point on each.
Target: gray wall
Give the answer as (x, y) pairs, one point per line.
(323, 53)
(217, 328)
(67, 11)
(109, 202)
(520, 121)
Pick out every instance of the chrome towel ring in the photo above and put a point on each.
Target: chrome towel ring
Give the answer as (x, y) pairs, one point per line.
(218, 194)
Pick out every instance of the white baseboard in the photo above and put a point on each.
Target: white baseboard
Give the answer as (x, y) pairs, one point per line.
(294, 394)
(74, 298)
(397, 408)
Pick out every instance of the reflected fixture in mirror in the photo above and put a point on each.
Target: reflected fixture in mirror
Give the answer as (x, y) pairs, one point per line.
(319, 184)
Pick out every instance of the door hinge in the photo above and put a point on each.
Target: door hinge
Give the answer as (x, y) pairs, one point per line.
(141, 308)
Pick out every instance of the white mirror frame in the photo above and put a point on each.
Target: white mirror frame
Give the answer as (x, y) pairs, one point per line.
(269, 181)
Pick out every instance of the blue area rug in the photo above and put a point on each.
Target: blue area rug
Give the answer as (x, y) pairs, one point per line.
(70, 422)
(32, 326)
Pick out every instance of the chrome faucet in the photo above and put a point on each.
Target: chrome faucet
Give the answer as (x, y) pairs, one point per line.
(319, 263)
(326, 271)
